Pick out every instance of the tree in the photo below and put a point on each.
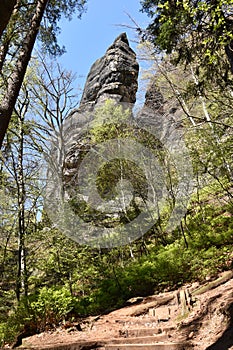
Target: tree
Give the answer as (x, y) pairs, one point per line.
(51, 11)
(197, 31)
(53, 96)
(6, 9)
(206, 119)
(22, 166)
(45, 96)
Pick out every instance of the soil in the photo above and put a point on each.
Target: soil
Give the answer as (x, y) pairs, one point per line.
(204, 319)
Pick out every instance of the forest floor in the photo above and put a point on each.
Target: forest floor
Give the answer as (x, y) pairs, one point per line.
(200, 316)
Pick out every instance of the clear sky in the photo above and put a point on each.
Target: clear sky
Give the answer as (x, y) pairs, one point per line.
(88, 39)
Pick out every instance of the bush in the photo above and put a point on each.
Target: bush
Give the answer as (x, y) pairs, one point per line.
(51, 305)
(37, 313)
(7, 333)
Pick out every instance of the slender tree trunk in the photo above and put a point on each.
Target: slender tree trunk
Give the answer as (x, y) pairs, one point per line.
(177, 94)
(215, 135)
(229, 53)
(3, 52)
(183, 234)
(22, 263)
(15, 81)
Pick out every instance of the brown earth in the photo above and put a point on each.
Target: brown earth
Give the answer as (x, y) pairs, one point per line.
(193, 317)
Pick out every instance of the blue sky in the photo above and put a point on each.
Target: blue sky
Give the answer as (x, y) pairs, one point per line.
(88, 39)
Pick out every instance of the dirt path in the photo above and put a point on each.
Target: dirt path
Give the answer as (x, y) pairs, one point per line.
(199, 317)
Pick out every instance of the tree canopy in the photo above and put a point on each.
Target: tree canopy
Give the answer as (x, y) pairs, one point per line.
(197, 31)
(6, 9)
(22, 24)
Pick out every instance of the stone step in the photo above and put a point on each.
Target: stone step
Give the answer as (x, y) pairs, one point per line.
(97, 345)
(140, 332)
(145, 322)
(141, 340)
(143, 332)
(137, 320)
(157, 346)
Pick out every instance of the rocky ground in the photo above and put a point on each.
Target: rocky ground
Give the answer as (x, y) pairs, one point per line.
(193, 317)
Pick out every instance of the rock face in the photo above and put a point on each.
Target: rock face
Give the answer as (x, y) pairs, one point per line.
(114, 75)
(153, 98)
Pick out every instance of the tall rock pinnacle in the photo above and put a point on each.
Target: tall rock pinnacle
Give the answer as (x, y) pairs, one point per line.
(115, 75)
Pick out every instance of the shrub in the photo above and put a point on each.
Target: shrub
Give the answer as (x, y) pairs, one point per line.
(51, 305)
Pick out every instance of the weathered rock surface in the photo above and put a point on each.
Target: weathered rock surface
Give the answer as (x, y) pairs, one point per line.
(114, 75)
(153, 98)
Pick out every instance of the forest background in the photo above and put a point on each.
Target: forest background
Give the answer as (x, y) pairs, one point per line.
(45, 277)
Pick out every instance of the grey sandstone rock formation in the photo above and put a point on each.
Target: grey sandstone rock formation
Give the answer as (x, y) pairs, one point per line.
(153, 98)
(114, 75)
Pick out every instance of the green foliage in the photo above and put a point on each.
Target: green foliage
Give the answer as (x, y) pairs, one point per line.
(166, 267)
(8, 333)
(37, 313)
(112, 122)
(197, 31)
(51, 305)
(109, 122)
(55, 10)
(89, 281)
(66, 279)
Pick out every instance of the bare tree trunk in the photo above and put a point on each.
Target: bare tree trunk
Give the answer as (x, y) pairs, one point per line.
(215, 135)
(15, 81)
(22, 283)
